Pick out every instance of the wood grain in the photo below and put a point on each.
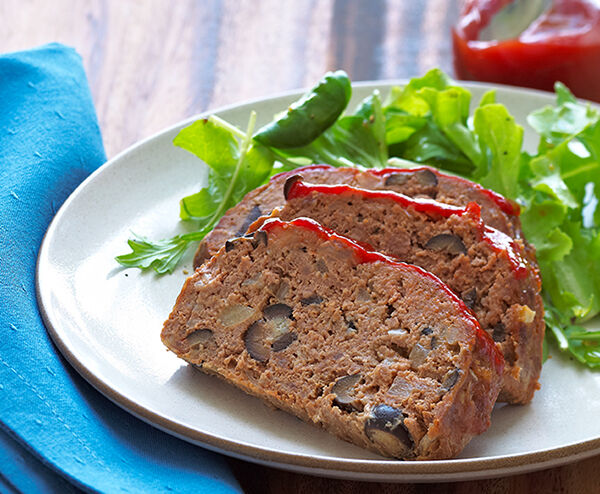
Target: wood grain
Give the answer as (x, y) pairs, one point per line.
(578, 478)
(153, 63)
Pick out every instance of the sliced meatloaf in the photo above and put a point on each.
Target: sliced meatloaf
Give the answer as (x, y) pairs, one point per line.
(377, 352)
(497, 212)
(482, 265)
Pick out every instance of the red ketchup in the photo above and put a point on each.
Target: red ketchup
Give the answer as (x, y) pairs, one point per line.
(506, 205)
(498, 241)
(365, 255)
(562, 43)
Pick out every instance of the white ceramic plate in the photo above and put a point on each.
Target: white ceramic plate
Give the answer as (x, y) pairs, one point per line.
(106, 320)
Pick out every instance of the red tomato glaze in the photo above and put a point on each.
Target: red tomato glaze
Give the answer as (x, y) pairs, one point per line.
(500, 242)
(506, 205)
(365, 256)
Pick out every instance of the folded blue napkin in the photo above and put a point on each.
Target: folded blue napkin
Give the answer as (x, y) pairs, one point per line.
(57, 434)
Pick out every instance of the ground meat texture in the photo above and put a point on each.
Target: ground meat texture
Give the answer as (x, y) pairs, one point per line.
(497, 211)
(482, 265)
(343, 338)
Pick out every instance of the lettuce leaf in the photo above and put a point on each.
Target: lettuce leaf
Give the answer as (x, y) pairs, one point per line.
(501, 140)
(567, 118)
(562, 219)
(426, 121)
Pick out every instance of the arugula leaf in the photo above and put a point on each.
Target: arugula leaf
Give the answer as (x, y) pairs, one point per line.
(563, 94)
(162, 255)
(590, 138)
(428, 121)
(205, 203)
(234, 170)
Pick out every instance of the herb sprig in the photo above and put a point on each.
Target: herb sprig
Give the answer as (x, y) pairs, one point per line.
(235, 167)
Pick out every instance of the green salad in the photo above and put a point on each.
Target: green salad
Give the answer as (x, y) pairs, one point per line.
(426, 121)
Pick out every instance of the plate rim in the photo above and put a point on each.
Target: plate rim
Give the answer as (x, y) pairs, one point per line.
(357, 469)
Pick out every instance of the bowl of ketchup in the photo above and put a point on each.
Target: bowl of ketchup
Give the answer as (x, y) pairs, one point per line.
(530, 43)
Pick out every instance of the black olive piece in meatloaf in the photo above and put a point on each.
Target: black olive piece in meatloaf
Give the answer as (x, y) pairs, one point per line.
(377, 352)
(497, 212)
(482, 265)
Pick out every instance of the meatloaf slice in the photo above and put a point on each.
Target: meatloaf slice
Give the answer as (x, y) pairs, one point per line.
(377, 352)
(497, 212)
(482, 265)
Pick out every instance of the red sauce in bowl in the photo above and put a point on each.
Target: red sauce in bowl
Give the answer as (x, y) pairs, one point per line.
(562, 44)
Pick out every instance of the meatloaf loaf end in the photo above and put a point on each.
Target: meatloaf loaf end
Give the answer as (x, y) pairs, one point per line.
(482, 265)
(377, 352)
(497, 212)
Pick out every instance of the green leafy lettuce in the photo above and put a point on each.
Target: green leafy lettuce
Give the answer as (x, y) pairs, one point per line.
(562, 218)
(236, 164)
(426, 121)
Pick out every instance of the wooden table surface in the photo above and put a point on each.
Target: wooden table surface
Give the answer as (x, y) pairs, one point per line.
(153, 63)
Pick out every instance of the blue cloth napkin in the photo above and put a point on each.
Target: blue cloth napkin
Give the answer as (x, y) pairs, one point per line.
(56, 431)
